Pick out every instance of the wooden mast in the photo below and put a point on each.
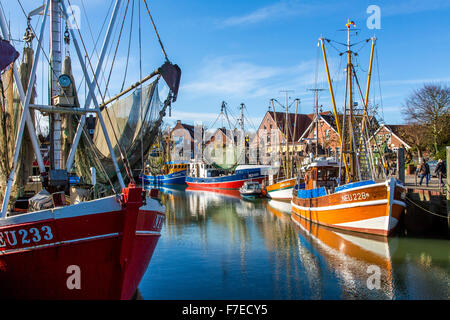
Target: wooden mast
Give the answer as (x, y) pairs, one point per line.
(294, 136)
(336, 117)
(369, 75)
(350, 104)
(276, 124)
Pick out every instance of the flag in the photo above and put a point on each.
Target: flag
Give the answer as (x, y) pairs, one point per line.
(7, 54)
(350, 23)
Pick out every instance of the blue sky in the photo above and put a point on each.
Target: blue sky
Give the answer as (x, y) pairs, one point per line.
(248, 51)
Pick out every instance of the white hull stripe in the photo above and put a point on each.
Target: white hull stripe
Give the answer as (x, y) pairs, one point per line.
(102, 236)
(147, 233)
(98, 206)
(386, 183)
(377, 247)
(378, 223)
(349, 205)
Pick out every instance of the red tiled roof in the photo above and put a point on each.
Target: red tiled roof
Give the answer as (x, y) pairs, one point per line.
(303, 121)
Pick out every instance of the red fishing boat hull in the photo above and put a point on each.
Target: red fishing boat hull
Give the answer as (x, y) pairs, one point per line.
(93, 250)
(223, 185)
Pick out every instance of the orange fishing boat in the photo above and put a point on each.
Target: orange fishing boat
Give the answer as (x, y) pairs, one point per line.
(281, 190)
(363, 206)
(343, 194)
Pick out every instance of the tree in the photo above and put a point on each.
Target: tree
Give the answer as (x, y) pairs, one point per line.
(416, 136)
(429, 108)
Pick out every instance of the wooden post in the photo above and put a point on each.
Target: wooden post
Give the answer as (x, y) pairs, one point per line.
(448, 186)
(401, 164)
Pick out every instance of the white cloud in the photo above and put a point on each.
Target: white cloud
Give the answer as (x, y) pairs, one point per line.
(278, 10)
(232, 77)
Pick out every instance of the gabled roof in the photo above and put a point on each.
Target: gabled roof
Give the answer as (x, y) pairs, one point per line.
(394, 129)
(303, 122)
(325, 116)
(225, 133)
(185, 126)
(330, 119)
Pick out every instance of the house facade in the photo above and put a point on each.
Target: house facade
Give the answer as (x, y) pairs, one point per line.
(182, 137)
(322, 133)
(390, 136)
(279, 132)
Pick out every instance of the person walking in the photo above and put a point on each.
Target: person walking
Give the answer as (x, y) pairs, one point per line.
(424, 172)
(379, 169)
(441, 171)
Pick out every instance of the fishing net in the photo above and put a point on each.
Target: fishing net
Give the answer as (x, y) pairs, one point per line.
(10, 114)
(125, 121)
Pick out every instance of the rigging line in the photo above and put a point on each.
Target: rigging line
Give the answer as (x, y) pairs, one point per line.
(235, 119)
(108, 56)
(94, 50)
(117, 48)
(357, 50)
(379, 83)
(316, 74)
(338, 50)
(226, 117)
(140, 76)
(122, 155)
(42, 50)
(129, 45)
(156, 31)
(346, 44)
(91, 146)
(249, 119)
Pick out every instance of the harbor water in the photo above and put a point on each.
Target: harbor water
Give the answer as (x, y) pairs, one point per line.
(215, 245)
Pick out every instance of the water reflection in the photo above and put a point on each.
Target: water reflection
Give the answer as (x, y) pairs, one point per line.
(216, 245)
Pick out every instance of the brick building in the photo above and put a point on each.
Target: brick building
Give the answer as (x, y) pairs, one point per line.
(273, 126)
(390, 136)
(182, 136)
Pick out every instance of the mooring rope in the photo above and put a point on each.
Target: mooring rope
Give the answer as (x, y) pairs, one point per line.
(430, 212)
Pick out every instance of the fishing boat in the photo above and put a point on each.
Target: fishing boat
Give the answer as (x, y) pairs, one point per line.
(174, 173)
(250, 190)
(281, 190)
(280, 186)
(217, 169)
(208, 176)
(344, 194)
(71, 242)
(218, 193)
